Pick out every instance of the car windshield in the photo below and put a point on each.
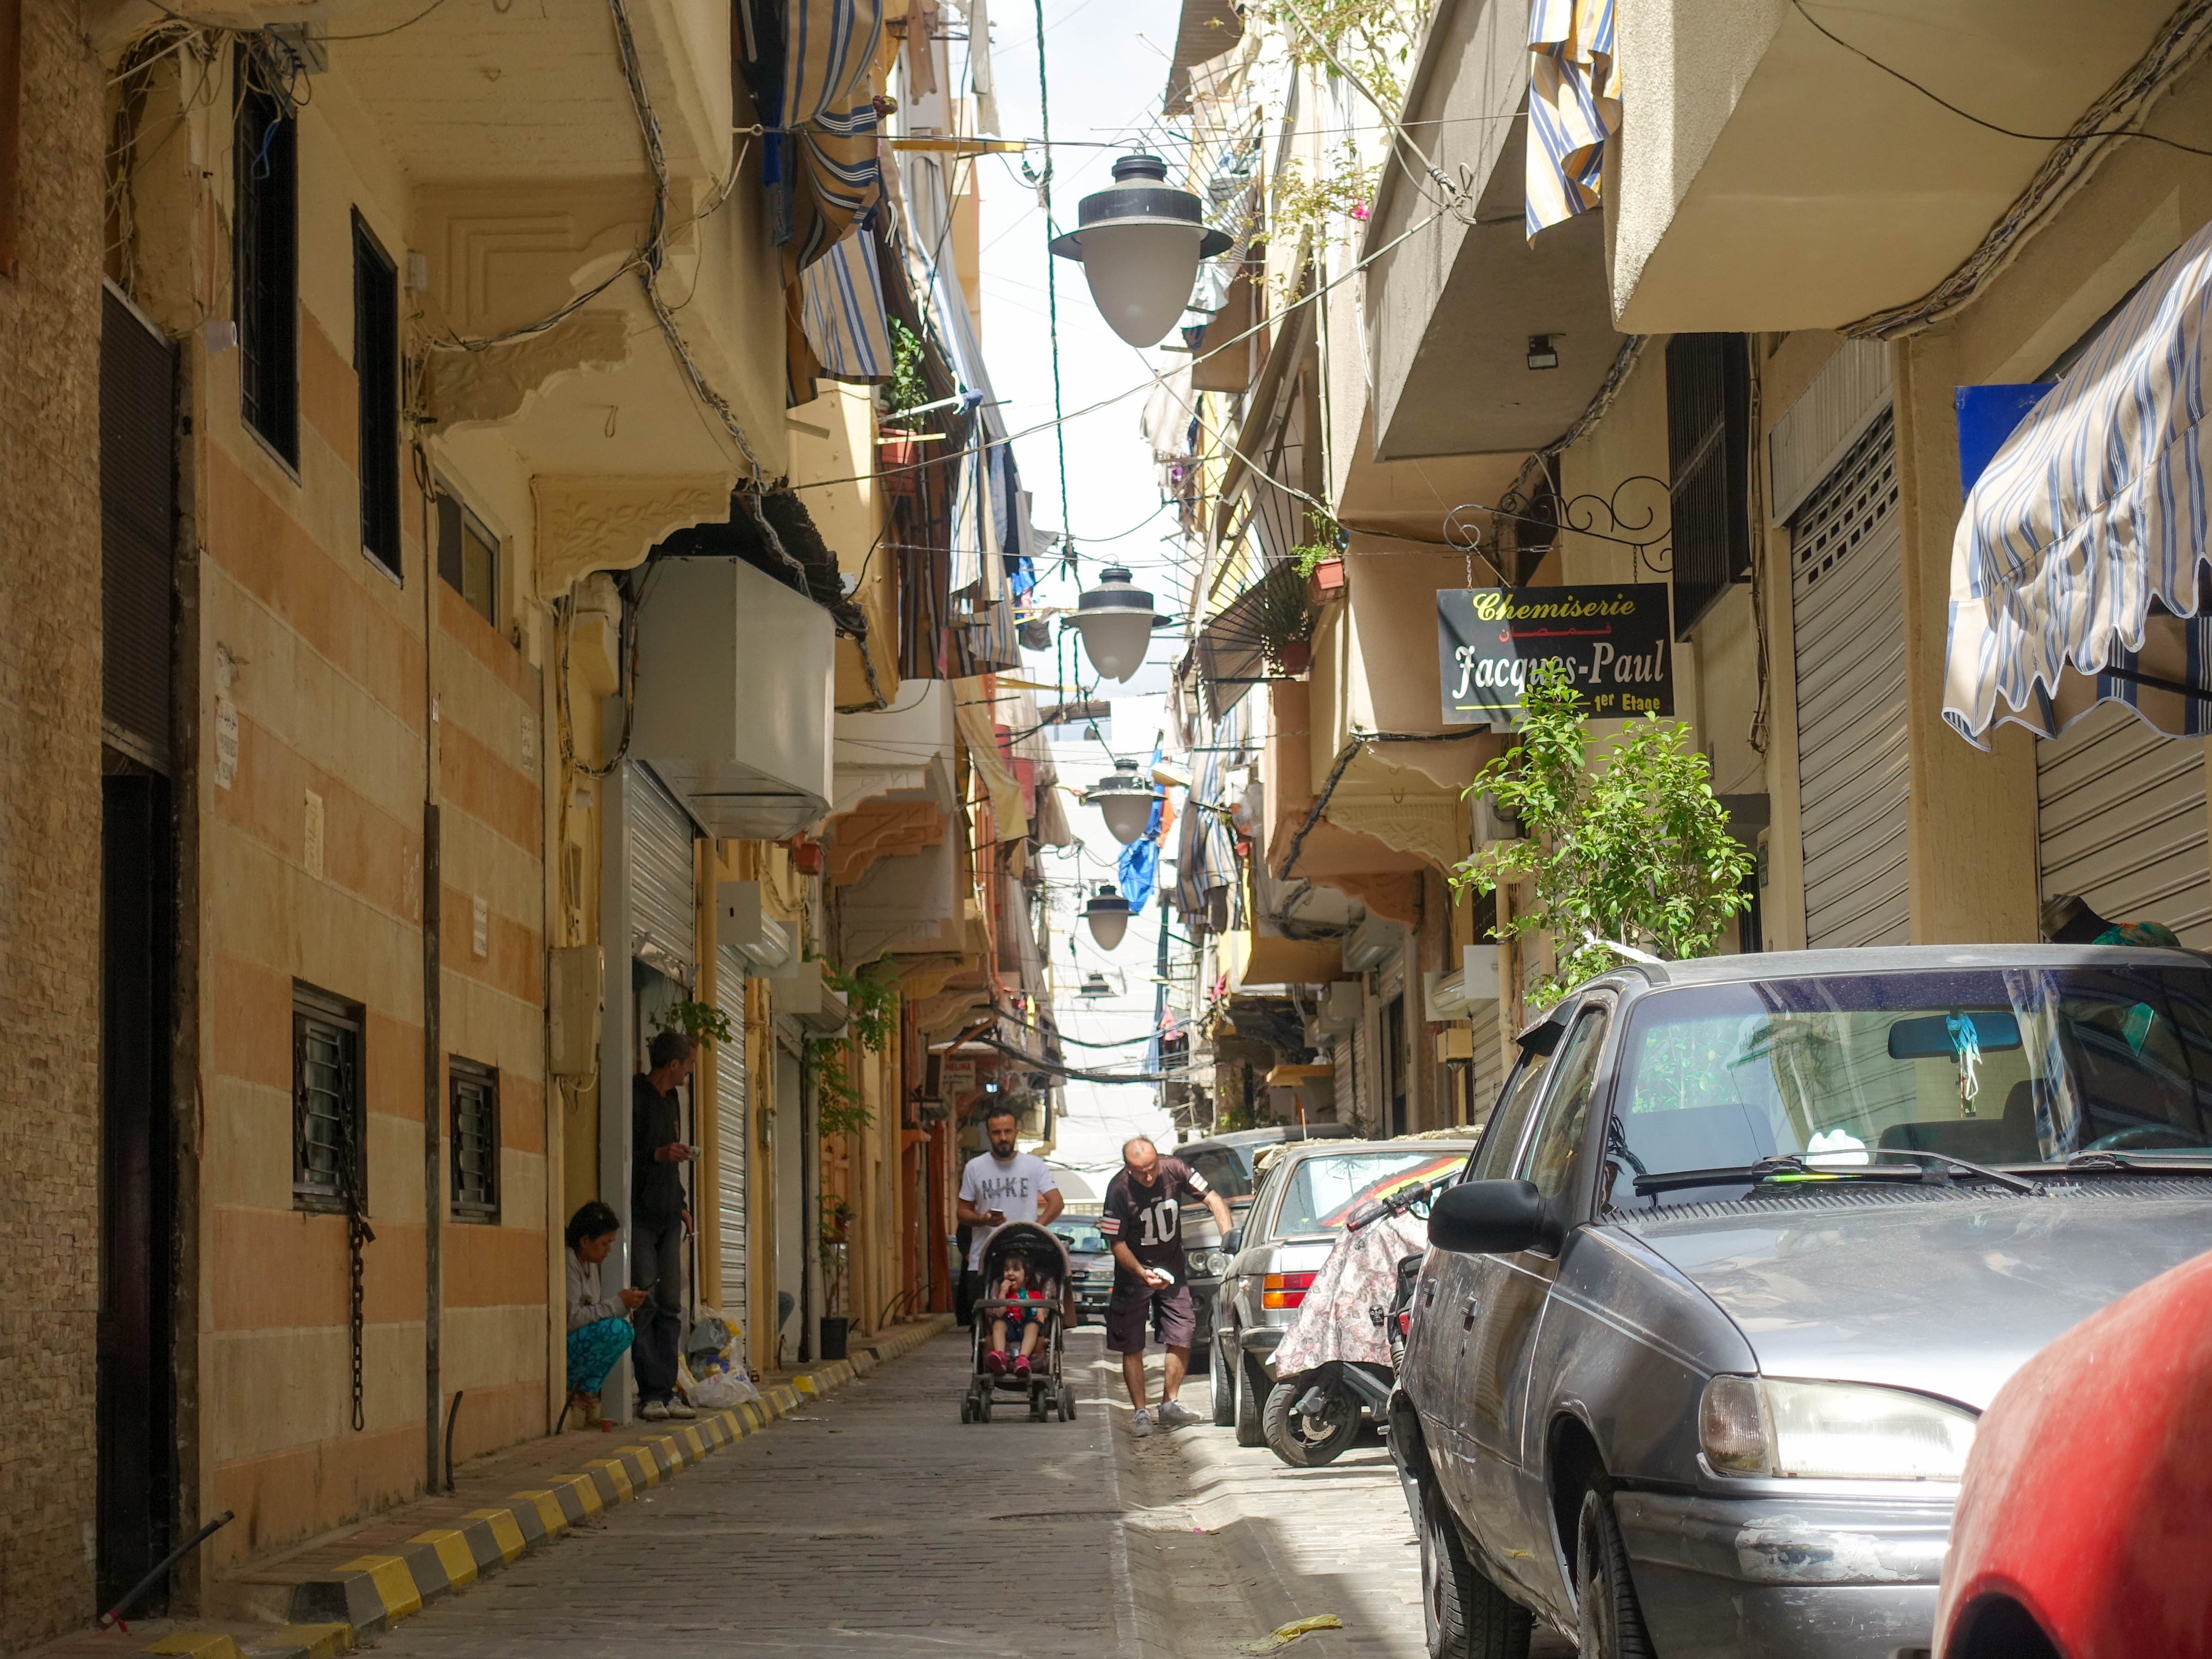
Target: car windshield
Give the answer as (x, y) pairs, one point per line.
(2011, 1067)
(1323, 1191)
(1222, 1168)
(1081, 1239)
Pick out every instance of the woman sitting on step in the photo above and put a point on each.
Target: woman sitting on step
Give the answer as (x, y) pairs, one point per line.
(599, 1328)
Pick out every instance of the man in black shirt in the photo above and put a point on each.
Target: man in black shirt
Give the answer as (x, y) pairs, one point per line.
(659, 1220)
(1142, 1217)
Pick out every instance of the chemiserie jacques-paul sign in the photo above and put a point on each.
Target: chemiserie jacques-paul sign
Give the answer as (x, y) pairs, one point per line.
(1613, 639)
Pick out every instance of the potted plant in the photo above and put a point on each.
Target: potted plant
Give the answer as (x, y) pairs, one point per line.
(1320, 560)
(1285, 624)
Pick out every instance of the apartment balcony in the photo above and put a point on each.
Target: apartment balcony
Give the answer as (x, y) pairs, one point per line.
(1451, 310)
(1772, 179)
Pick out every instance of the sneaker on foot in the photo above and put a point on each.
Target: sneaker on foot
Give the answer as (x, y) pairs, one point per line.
(654, 1411)
(1022, 1366)
(681, 1408)
(1174, 1414)
(995, 1363)
(1141, 1422)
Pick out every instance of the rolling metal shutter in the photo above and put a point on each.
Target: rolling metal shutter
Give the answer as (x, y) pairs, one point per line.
(1847, 603)
(2120, 822)
(1488, 1070)
(664, 918)
(732, 1139)
(1344, 1056)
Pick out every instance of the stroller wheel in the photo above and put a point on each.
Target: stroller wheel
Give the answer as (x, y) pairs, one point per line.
(983, 1409)
(1067, 1402)
(966, 1408)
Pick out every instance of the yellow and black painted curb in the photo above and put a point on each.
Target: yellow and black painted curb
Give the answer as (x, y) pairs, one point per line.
(366, 1596)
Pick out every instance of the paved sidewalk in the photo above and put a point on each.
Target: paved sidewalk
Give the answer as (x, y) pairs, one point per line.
(872, 1522)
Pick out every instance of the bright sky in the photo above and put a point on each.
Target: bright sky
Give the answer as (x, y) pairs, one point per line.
(1106, 79)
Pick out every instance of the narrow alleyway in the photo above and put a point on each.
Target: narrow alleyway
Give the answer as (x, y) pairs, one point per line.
(875, 1522)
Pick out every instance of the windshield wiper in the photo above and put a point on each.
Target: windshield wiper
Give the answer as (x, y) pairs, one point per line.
(2018, 1184)
(1769, 1169)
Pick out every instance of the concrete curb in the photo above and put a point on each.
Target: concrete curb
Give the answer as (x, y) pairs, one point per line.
(368, 1594)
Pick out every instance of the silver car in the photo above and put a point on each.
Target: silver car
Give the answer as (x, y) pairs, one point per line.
(1305, 1193)
(1697, 1351)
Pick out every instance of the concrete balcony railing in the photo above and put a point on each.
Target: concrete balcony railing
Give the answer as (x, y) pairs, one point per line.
(1771, 177)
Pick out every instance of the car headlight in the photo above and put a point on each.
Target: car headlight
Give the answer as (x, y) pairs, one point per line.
(1831, 1430)
(1218, 1263)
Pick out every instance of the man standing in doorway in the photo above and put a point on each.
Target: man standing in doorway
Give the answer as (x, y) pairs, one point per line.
(659, 1221)
(999, 1186)
(1142, 1217)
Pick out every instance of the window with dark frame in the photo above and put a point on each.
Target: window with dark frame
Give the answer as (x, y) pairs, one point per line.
(468, 555)
(266, 257)
(376, 368)
(472, 1094)
(328, 1120)
(1709, 455)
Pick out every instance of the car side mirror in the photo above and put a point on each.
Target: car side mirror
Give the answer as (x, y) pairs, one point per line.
(1490, 1217)
(1233, 1240)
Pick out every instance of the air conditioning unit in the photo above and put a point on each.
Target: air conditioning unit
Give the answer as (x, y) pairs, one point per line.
(1492, 822)
(1370, 943)
(764, 943)
(1342, 1003)
(1456, 996)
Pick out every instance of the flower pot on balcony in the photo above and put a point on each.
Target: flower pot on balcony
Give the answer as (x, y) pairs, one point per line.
(1294, 656)
(1326, 582)
(898, 453)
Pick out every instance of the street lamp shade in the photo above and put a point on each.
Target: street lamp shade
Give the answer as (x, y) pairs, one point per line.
(1107, 915)
(1126, 798)
(1140, 240)
(1115, 620)
(1095, 985)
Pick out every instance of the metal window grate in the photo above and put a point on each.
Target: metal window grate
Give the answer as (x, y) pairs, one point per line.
(472, 1091)
(265, 253)
(376, 368)
(327, 1103)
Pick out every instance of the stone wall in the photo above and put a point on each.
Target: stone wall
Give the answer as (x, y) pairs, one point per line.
(50, 836)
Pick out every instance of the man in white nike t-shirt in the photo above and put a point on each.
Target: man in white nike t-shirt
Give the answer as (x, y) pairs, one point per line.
(1003, 1185)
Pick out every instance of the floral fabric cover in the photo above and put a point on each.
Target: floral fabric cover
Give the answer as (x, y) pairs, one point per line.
(1361, 1273)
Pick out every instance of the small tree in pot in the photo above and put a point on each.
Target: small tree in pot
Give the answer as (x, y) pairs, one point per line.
(1635, 853)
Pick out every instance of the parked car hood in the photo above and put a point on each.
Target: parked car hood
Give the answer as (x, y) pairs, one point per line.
(1943, 1291)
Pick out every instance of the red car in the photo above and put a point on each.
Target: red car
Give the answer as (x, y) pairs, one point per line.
(2084, 1527)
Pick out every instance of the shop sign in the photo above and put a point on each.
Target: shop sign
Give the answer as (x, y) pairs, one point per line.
(1615, 641)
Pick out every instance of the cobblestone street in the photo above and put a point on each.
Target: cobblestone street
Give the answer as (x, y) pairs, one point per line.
(875, 1522)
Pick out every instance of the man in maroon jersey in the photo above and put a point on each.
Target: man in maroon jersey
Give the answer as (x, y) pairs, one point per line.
(1141, 1218)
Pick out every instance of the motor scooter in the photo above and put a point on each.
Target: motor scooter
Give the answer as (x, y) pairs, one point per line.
(1338, 1362)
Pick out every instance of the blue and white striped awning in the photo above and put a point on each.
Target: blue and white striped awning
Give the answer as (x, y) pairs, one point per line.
(1574, 107)
(2076, 568)
(842, 301)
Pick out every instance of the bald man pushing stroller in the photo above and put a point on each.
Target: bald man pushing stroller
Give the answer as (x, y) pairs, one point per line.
(1142, 1217)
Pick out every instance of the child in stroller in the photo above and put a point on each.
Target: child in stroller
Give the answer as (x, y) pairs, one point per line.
(1025, 1266)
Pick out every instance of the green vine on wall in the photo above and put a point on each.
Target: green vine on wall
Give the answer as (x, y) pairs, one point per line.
(871, 998)
(703, 1022)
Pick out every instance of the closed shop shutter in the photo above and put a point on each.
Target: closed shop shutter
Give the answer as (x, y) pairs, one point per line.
(732, 1138)
(1847, 600)
(1487, 1072)
(1344, 1057)
(2120, 822)
(664, 920)
(137, 529)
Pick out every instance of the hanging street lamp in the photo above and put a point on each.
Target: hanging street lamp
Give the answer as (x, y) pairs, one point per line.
(1107, 915)
(1126, 798)
(1139, 241)
(1115, 619)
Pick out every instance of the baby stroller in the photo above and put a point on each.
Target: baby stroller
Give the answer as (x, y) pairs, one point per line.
(1048, 1390)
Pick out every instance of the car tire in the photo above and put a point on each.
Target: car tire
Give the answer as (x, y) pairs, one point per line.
(1223, 1379)
(1251, 1393)
(1610, 1619)
(1463, 1614)
(1289, 1435)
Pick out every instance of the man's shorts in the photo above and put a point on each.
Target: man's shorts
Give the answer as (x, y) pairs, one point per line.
(1174, 1320)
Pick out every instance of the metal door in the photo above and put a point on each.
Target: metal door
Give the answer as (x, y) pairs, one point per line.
(1847, 606)
(2120, 822)
(664, 918)
(732, 1141)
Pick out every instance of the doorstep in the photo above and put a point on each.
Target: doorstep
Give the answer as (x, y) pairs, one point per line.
(323, 1599)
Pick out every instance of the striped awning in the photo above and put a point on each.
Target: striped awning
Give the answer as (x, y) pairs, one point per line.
(829, 113)
(841, 298)
(2076, 573)
(1574, 107)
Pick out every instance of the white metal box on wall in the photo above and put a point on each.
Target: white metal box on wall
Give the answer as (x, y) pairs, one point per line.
(734, 677)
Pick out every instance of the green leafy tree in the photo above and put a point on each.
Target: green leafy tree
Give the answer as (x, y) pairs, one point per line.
(1633, 852)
